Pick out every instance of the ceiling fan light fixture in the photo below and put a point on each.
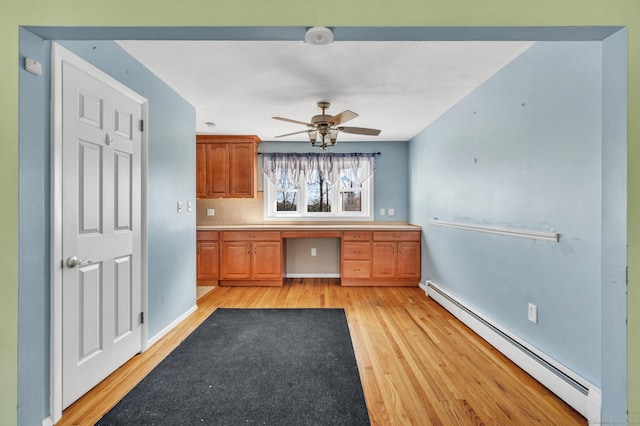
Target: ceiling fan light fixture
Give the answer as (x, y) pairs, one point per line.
(318, 36)
(313, 134)
(333, 135)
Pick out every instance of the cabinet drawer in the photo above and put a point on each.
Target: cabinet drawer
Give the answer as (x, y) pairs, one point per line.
(207, 235)
(356, 236)
(356, 251)
(396, 236)
(356, 269)
(251, 236)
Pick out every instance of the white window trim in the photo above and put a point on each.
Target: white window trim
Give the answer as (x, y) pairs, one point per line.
(367, 213)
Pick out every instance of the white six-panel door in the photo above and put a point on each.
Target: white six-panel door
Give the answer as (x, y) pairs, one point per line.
(101, 226)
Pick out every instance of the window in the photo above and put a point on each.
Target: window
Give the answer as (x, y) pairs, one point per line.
(309, 186)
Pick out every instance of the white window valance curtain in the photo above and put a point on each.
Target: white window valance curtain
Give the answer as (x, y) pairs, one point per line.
(356, 166)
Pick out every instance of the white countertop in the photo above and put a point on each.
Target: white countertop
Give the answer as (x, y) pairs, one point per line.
(302, 227)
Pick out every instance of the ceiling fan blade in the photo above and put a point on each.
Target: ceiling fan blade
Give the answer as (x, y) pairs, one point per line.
(290, 134)
(360, 131)
(343, 117)
(292, 121)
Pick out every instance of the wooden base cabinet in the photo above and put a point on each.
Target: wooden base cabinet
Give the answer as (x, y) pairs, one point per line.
(257, 258)
(251, 259)
(396, 255)
(408, 260)
(207, 258)
(381, 258)
(356, 256)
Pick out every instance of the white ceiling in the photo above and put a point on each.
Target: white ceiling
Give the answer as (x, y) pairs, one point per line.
(398, 87)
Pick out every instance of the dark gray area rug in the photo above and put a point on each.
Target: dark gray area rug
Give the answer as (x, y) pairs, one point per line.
(253, 367)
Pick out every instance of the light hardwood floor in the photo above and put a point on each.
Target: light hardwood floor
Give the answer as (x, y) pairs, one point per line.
(418, 364)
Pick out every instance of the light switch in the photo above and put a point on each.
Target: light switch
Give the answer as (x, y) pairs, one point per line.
(382, 212)
(189, 206)
(179, 206)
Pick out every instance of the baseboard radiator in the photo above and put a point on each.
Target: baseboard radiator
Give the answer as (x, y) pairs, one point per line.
(576, 391)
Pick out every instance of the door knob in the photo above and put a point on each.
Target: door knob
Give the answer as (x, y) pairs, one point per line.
(73, 261)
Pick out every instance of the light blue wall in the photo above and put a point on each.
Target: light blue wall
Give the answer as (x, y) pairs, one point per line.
(166, 228)
(171, 236)
(614, 226)
(391, 187)
(524, 151)
(34, 244)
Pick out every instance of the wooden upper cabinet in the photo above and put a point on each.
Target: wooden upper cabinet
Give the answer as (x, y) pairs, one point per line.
(201, 170)
(242, 170)
(230, 166)
(217, 170)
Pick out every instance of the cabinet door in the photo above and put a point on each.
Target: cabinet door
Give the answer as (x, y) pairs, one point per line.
(201, 170)
(383, 255)
(207, 267)
(266, 260)
(217, 170)
(235, 260)
(241, 170)
(408, 260)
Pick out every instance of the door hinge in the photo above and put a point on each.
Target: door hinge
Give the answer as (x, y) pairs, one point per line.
(142, 125)
(141, 317)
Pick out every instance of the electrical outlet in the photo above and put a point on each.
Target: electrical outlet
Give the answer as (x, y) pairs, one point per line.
(533, 313)
(391, 212)
(211, 212)
(313, 252)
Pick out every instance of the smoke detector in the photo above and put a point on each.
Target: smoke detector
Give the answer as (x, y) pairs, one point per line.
(318, 35)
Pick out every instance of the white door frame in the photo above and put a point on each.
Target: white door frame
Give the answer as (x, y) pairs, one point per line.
(59, 55)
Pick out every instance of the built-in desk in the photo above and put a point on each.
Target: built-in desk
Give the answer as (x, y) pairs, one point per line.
(254, 255)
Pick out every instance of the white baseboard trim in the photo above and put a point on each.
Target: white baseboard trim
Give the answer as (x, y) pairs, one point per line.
(312, 275)
(171, 326)
(582, 395)
(47, 422)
